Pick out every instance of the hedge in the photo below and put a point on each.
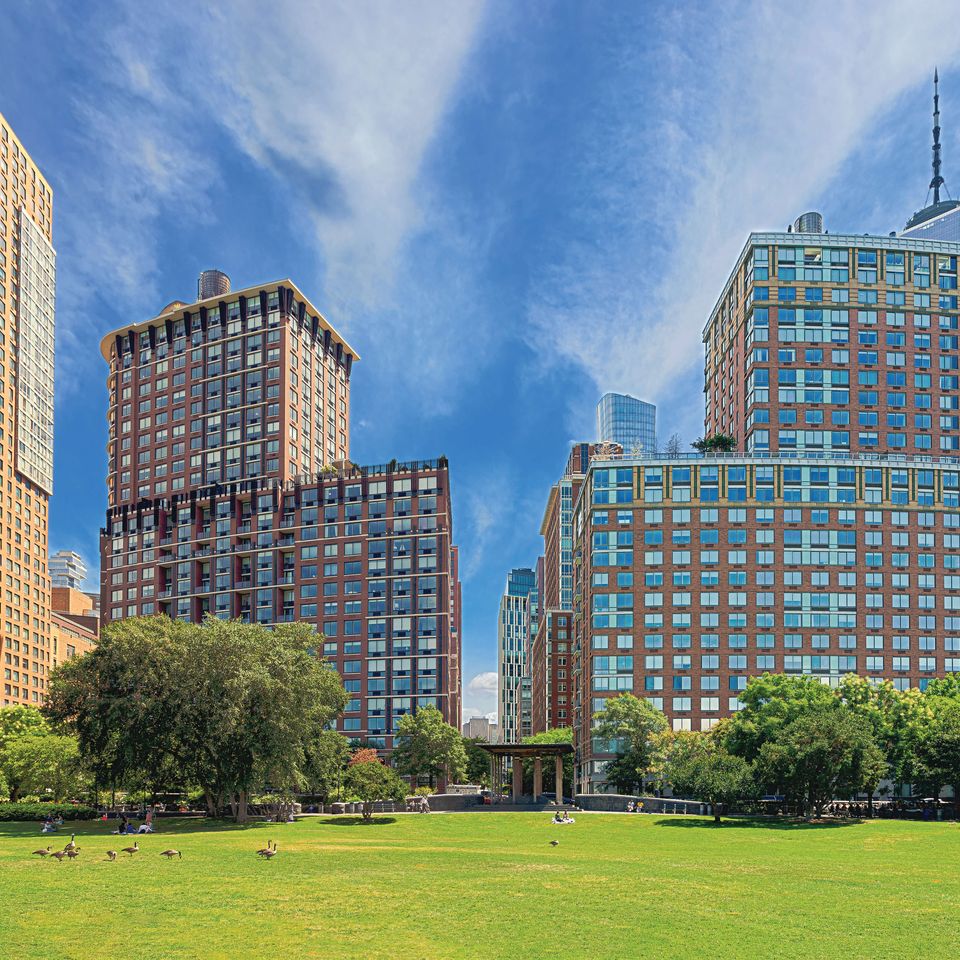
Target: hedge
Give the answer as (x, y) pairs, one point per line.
(40, 811)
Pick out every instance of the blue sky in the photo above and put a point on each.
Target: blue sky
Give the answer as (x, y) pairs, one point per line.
(509, 208)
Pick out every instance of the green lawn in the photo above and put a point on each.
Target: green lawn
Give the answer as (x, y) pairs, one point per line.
(488, 885)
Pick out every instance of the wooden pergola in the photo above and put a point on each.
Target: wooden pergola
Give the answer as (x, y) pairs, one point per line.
(500, 753)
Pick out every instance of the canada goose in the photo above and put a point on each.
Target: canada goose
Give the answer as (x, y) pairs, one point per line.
(111, 855)
(134, 849)
(554, 843)
(59, 854)
(267, 854)
(72, 854)
(71, 845)
(263, 850)
(171, 853)
(41, 853)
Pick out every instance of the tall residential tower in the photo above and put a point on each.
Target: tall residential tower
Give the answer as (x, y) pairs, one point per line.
(516, 626)
(828, 543)
(27, 293)
(231, 495)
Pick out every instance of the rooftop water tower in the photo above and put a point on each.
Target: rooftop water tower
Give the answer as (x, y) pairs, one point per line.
(810, 222)
(212, 283)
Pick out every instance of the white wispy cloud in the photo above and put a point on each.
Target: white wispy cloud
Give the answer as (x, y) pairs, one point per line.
(750, 117)
(480, 696)
(340, 101)
(483, 682)
(347, 96)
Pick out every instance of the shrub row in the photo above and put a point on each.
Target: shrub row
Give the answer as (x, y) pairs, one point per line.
(40, 811)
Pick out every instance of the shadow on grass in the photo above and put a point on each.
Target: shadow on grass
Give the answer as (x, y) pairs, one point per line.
(754, 823)
(99, 828)
(342, 821)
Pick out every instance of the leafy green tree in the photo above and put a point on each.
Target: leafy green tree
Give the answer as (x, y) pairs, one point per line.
(233, 706)
(556, 735)
(424, 744)
(894, 716)
(826, 752)
(478, 761)
(372, 780)
(938, 746)
(18, 721)
(699, 766)
(946, 686)
(636, 733)
(23, 760)
(41, 765)
(768, 704)
(326, 759)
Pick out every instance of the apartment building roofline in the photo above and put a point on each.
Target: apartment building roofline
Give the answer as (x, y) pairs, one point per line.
(769, 238)
(176, 309)
(40, 174)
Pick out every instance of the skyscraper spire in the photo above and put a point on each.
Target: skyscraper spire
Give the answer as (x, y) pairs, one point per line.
(937, 182)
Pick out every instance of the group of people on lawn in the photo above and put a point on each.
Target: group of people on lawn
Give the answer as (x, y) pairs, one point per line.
(126, 826)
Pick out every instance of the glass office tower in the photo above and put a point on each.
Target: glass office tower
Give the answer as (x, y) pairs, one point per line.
(628, 421)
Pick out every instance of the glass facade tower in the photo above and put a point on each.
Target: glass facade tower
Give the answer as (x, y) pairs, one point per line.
(517, 624)
(628, 421)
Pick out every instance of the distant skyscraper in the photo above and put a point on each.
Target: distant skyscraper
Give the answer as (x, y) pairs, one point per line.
(67, 569)
(480, 728)
(628, 421)
(516, 625)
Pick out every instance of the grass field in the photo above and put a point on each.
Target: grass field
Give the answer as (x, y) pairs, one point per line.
(488, 885)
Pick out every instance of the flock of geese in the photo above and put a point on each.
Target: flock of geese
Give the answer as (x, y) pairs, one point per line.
(71, 851)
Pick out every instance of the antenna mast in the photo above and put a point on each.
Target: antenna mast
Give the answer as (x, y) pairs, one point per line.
(937, 182)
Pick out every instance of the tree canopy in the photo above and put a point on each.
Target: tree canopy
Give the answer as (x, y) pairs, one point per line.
(699, 766)
(478, 761)
(42, 765)
(767, 704)
(826, 752)
(326, 758)
(371, 780)
(937, 746)
(236, 707)
(636, 731)
(424, 744)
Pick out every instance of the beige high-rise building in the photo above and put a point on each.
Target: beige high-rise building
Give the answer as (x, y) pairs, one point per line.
(27, 287)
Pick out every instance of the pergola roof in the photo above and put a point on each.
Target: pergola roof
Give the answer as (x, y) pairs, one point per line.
(527, 749)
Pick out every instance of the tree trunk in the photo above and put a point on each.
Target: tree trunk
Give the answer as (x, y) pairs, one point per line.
(241, 808)
(367, 810)
(716, 813)
(208, 797)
